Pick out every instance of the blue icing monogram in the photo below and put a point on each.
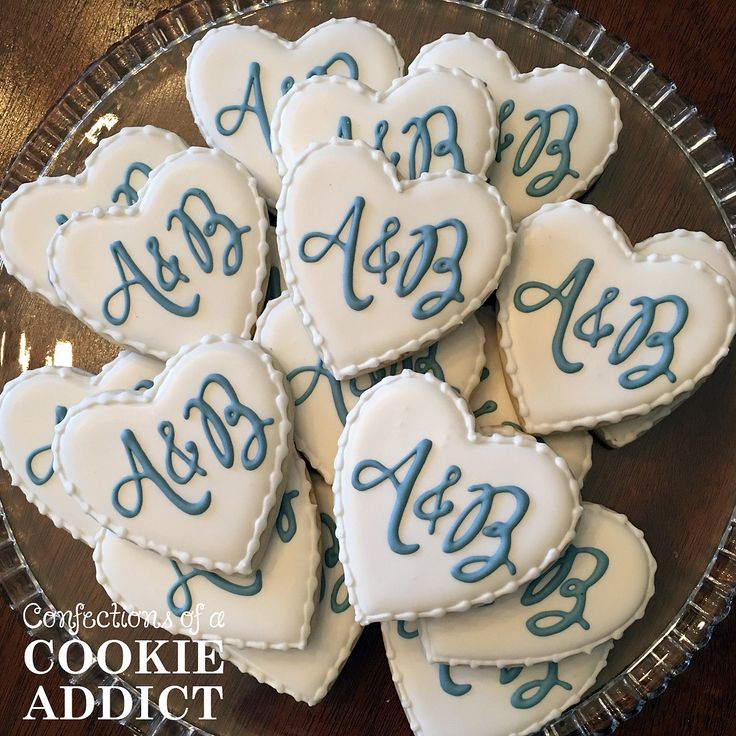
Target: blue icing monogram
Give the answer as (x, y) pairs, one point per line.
(253, 101)
(339, 602)
(422, 147)
(432, 507)
(449, 685)
(557, 579)
(286, 519)
(125, 189)
(182, 584)
(487, 407)
(169, 273)
(532, 693)
(536, 143)
(420, 363)
(187, 457)
(406, 633)
(40, 480)
(379, 260)
(592, 328)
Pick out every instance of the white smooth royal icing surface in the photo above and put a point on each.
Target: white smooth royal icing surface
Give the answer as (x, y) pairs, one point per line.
(399, 263)
(309, 674)
(192, 468)
(112, 175)
(558, 126)
(237, 74)
(486, 701)
(322, 402)
(155, 276)
(432, 517)
(430, 121)
(696, 247)
(31, 405)
(271, 609)
(592, 594)
(494, 410)
(593, 332)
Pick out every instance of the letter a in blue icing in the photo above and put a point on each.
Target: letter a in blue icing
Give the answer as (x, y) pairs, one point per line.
(40, 480)
(253, 102)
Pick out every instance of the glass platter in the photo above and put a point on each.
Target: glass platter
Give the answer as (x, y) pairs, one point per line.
(678, 483)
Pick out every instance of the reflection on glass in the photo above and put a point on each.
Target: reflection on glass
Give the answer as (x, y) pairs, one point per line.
(107, 122)
(24, 353)
(2, 348)
(62, 354)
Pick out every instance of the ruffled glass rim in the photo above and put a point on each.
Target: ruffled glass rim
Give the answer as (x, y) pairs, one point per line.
(690, 630)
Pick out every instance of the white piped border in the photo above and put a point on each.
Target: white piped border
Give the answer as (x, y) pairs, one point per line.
(393, 355)
(283, 404)
(519, 440)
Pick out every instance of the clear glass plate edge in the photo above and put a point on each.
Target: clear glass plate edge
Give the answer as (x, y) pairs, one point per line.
(690, 630)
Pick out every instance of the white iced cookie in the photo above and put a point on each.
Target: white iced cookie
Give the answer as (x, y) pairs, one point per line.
(237, 74)
(494, 410)
(271, 609)
(113, 174)
(696, 247)
(592, 594)
(430, 121)
(32, 404)
(593, 332)
(433, 517)
(309, 674)
(322, 403)
(400, 263)
(155, 276)
(557, 127)
(513, 701)
(192, 468)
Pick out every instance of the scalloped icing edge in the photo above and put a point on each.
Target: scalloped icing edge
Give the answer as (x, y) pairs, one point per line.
(289, 46)
(588, 508)
(118, 335)
(380, 97)
(47, 291)
(178, 630)
(407, 705)
(434, 335)
(612, 417)
(311, 699)
(474, 438)
(303, 444)
(254, 547)
(649, 423)
(15, 478)
(539, 72)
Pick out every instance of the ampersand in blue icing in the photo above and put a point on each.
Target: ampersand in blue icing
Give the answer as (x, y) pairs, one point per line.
(472, 521)
(556, 580)
(286, 519)
(125, 189)
(533, 692)
(40, 480)
(182, 584)
(379, 260)
(567, 296)
(339, 601)
(449, 685)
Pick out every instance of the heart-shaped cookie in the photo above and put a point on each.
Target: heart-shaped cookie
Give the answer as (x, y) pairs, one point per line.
(271, 609)
(494, 410)
(155, 276)
(430, 121)
(592, 594)
(32, 404)
(399, 263)
(593, 332)
(237, 74)
(696, 247)
(322, 403)
(192, 468)
(432, 517)
(558, 126)
(113, 173)
(486, 701)
(308, 675)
